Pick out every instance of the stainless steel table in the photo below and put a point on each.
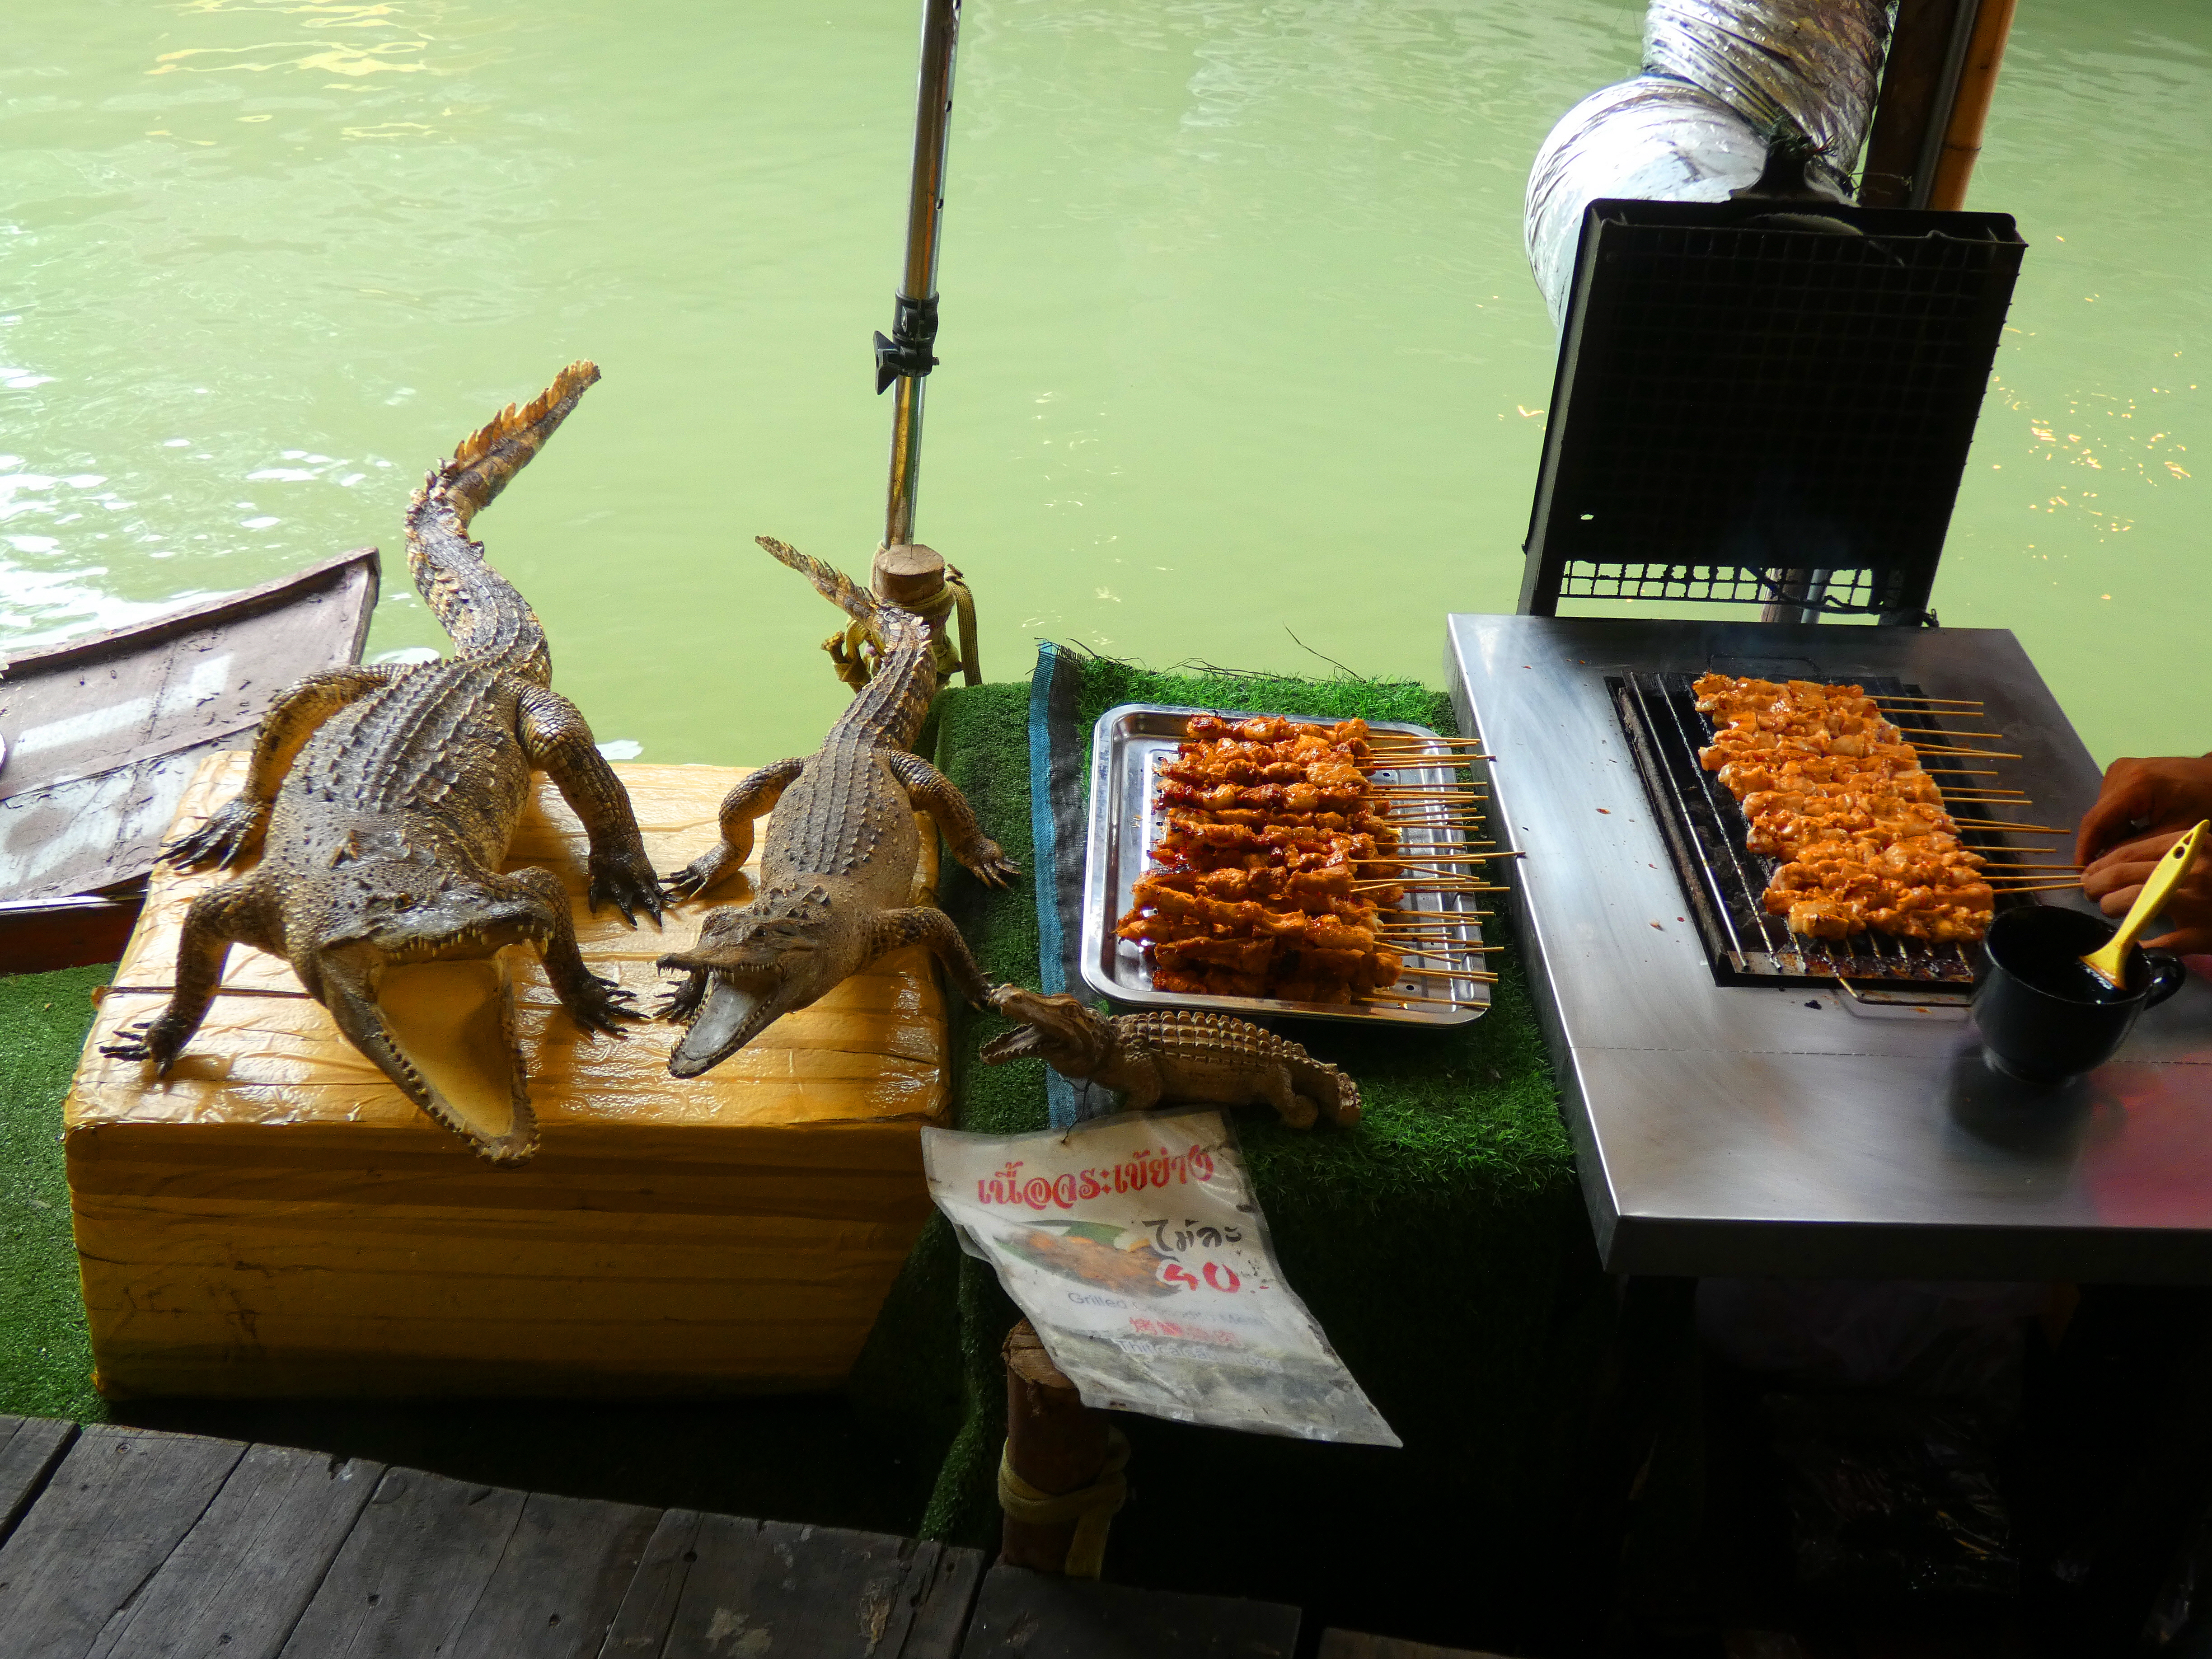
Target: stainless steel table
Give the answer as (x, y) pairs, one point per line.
(1744, 1131)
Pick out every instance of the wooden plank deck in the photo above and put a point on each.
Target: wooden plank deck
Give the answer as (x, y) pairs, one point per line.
(121, 1543)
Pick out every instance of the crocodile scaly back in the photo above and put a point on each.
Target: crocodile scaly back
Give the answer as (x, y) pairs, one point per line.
(1176, 1034)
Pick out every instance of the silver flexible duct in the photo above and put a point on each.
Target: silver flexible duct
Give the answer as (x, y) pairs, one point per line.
(1719, 76)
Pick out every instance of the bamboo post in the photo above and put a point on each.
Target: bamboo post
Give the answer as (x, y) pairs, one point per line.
(1970, 109)
(1057, 1446)
(1919, 81)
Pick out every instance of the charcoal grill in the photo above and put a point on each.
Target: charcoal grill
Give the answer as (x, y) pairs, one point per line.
(1736, 1113)
(1723, 883)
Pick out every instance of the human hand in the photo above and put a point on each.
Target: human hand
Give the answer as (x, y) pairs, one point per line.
(2115, 879)
(2163, 796)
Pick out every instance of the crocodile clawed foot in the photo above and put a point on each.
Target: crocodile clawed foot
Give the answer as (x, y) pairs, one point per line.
(696, 877)
(602, 1005)
(627, 889)
(683, 1001)
(222, 840)
(997, 871)
(149, 1039)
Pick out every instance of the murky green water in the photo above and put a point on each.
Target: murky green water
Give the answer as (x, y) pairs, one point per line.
(1239, 343)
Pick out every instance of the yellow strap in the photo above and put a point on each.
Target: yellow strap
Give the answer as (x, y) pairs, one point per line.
(1092, 1508)
(971, 664)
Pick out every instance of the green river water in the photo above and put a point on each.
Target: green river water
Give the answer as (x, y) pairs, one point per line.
(1239, 341)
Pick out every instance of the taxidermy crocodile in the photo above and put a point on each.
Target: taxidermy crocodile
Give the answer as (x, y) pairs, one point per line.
(1173, 1056)
(836, 872)
(384, 796)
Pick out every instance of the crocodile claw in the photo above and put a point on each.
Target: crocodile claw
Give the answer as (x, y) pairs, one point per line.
(696, 877)
(598, 1005)
(997, 871)
(225, 837)
(683, 1001)
(629, 890)
(151, 1038)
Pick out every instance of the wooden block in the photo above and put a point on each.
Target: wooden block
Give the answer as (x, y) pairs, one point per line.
(276, 1218)
(29, 1449)
(1032, 1615)
(559, 1582)
(235, 1586)
(1350, 1644)
(409, 1574)
(712, 1585)
(118, 1504)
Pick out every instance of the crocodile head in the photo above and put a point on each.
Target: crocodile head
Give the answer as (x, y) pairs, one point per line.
(749, 968)
(1073, 1040)
(405, 958)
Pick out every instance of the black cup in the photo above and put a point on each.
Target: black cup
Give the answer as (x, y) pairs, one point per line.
(2045, 1017)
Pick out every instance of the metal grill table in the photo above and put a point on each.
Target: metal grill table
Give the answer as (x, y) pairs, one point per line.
(1754, 1129)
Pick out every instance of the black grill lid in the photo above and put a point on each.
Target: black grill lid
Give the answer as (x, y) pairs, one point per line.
(1739, 403)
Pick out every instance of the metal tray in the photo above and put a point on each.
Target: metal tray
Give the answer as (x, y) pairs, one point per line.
(1125, 749)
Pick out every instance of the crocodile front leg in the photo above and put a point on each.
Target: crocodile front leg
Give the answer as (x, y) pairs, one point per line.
(595, 1004)
(935, 795)
(757, 793)
(237, 913)
(233, 832)
(922, 924)
(558, 741)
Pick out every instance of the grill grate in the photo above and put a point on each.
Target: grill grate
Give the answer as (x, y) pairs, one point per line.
(1748, 414)
(1704, 831)
(1591, 579)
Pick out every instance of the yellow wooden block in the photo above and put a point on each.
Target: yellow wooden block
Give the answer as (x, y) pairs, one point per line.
(276, 1218)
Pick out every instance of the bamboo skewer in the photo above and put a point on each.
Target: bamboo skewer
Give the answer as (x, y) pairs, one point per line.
(1446, 885)
(1443, 858)
(1407, 996)
(1976, 754)
(1886, 696)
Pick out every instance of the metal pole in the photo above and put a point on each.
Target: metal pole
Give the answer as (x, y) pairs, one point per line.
(904, 360)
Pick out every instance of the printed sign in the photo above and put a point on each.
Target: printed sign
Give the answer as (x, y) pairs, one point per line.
(1133, 1244)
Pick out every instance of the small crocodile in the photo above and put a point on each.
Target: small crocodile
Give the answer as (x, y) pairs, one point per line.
(837, 869)
(1173, 1056)
(385, 796)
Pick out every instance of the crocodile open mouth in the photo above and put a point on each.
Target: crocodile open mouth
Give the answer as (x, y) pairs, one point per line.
(733, 1013)
(1017, 1044)
(453, 1024)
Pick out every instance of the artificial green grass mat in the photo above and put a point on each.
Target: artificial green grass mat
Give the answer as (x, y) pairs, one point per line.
(1441, 1243)
(45, 1359)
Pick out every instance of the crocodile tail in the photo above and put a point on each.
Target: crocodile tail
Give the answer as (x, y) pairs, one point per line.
(857, 602)
(489, 457)
(489, 621)
(893, 704)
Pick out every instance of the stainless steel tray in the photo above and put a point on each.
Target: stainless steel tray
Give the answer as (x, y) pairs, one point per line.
(1126, 748)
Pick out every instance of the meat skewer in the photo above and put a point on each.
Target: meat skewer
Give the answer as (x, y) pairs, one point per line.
(1834, 791)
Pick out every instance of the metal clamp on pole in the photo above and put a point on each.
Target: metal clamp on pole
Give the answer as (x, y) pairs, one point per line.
(906, 353)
